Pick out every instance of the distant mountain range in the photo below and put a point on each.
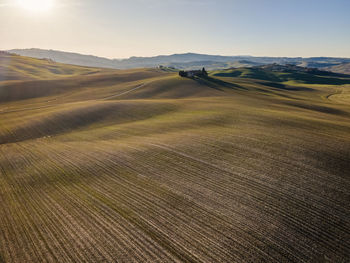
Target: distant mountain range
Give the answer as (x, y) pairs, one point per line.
(180, 61)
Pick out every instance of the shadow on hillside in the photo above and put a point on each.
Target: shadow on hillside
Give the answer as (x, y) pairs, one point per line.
(234, 74)
(67, 121)
(217, 83)
(316, 79)
(319, 108)
(281, 86)
(332, 74)
(307, 77)
(251, 74)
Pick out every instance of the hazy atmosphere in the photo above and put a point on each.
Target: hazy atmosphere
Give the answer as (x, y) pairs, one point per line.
(119, 29)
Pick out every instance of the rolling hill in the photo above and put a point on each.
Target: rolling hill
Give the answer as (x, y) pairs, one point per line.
(343, 68)
(181, 61)
(141, 165)
(14, 67)
(284, 73)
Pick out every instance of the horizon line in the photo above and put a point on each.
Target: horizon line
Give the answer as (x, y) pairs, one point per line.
(171, 54)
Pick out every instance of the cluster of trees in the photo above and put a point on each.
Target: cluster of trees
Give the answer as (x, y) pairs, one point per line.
(193, 73)
(182, 73)
(204, 72)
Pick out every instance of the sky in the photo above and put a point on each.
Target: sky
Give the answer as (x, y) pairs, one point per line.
(120, 29)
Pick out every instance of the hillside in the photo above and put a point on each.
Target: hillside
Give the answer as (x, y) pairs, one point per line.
(343, 68)
(181, 61)
(285, 73)
(14, 67)
(141, 165)
(66, 57)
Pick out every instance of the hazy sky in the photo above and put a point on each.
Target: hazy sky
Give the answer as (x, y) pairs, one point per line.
(123, 28)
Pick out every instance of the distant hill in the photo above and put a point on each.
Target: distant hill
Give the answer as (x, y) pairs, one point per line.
(15, 67)
(343, 68)
(180, 61)
(213, 65)
(65, 57)
(283, 73)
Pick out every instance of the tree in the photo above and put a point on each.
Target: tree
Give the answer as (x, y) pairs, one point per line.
(182, 73)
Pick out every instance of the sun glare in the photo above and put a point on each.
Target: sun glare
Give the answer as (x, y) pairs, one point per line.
(36, 5)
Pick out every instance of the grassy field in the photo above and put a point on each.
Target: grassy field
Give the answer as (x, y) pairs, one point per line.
(144, 166)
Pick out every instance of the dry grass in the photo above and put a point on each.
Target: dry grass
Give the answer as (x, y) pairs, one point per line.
(230, 170)
(14, 67)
